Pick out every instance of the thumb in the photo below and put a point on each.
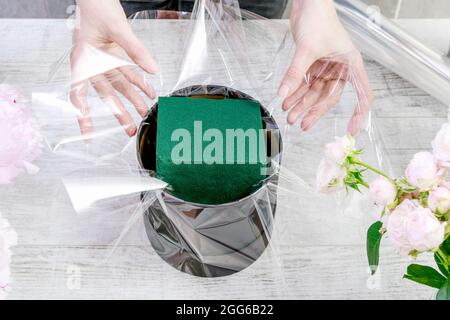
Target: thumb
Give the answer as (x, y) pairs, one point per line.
(136, 50)
(295, 74)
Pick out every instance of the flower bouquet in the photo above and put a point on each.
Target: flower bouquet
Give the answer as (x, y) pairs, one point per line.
(413, 211)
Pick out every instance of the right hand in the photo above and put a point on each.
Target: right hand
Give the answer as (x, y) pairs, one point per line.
(325, 59)
(102, 24)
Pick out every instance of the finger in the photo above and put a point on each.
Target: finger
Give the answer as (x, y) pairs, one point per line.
(126, 89)
(138, 81)
(364, 94)
(135, 49)
(309, 99)
(295, 98)
(330, 97)
(78, 98)
(321, 68)
(316, 72)
(338, 71)
(295, 74)
(106, 92)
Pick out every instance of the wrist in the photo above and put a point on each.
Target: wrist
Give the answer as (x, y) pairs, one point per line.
(297, 4)
(326, 2)
(103, 4)
(315, 7)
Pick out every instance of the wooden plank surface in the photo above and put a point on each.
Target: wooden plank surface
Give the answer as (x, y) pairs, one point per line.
(317, 252)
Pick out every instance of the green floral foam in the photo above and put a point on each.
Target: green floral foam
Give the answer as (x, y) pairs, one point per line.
(210, 151)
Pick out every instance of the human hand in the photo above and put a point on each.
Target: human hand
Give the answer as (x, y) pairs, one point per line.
(102, 25)
(325, 59)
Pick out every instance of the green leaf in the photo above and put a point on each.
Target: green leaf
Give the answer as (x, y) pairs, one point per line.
(425, 275)
(444, 291)
(441, 263)
(446, 246)
(373, 245)
(442, 257)
(354, 186)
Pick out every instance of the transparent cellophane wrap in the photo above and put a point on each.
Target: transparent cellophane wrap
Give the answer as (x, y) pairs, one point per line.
(111, 193)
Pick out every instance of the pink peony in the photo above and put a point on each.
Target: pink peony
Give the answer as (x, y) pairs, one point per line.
(330, 176)
(383, 191)
(423, 172)
(20, 141)
(8, 239)
(439, 200)
(412, 227)
(339, 149)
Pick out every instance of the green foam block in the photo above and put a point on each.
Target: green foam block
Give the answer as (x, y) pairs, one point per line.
(210, 151)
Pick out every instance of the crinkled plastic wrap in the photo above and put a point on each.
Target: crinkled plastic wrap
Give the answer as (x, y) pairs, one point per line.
(224, 52)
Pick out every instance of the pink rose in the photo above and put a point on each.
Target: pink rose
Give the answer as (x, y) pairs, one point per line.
(441, 145)
(339, 149)
(439, 200)
(383, 191)
(422, 171)
(330, 176)
(412, 227)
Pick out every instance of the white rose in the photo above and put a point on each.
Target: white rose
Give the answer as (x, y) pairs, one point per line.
(413, 227)
(439, 200)
(330, 176)
(441, 145)
(339, 149)
(383, 191)
(422, 171)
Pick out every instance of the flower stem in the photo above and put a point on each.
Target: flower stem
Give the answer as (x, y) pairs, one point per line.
(365, 165)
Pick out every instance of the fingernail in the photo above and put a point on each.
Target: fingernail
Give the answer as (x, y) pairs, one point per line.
(155, 68)
(284, 91)
(289, 121)
(132, 131)
(305, 125)
(151, 68)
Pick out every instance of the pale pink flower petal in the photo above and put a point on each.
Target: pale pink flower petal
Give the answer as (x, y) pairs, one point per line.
(439, 200)
(423, 172)
(412, 227)
(383, 191)
(330, 176)
(339, 149)
(20, 141)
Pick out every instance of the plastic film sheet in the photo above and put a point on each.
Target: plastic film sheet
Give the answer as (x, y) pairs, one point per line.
(217, 50)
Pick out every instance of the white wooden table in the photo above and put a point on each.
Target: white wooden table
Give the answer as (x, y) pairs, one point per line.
(318, 252)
